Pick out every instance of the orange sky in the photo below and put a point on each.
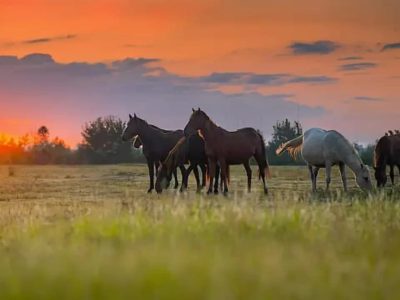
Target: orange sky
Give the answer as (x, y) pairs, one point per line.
(197, 38)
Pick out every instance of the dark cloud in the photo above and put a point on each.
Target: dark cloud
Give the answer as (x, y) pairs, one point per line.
(49, 39)
(350, 58)
(264, 79)
(37, 58)
(366, 98)
(358, 66)
(76, 92)
(317, 47)
(130, 63)
(391, 46)
(312, 79)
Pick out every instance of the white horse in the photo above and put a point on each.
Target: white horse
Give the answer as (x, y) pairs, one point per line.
(324, 149)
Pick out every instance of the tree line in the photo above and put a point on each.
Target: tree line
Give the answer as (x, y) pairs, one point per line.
(102, 144)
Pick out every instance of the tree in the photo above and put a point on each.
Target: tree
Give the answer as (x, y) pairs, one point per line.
(366, 153)
(102, 142)
(283, 132)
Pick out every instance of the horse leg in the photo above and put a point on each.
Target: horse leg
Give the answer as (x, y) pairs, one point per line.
(211, 169)
(313, 179)
(217, 174)
(185, 178)
(183, 173)
(262, 163)
(150, 165)
(196, 175)
(392, 174)
(248, 172)
(203, 171)
(175, 178)
(328, 170)
(156, 165)
(223, 165)
(342, 169)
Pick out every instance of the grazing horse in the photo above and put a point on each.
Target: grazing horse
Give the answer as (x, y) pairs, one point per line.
(229, 148)
(186, 150)
(137, 143)
(324, 149)
(387, 152)
(156, 143)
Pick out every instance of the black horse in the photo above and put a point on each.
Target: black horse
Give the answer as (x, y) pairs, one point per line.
(137, 143)
(190, 150)
(156, 143)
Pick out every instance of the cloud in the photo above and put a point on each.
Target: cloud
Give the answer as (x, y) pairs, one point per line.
(64, 96)
(391, 46)
(317, 47)
(367, 98)
(350, 58)
(49, 39)
(357, 66)
(264, 79)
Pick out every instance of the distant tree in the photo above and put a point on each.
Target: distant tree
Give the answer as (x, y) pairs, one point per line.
(366, 153)
(283, 132)
(43, 134)
(102, 142)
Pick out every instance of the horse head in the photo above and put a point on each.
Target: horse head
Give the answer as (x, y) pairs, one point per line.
(132, 128)
(363, 178)
(196, 122)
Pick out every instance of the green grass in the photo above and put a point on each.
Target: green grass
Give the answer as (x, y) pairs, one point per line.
(92, 232)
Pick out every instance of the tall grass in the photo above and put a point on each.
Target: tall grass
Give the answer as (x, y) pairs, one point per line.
(93, 233)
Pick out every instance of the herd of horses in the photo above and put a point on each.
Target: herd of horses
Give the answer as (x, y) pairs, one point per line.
(202, 144)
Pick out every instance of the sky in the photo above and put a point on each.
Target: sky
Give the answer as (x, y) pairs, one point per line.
(329, 64)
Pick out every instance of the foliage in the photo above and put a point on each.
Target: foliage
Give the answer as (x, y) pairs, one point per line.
(102, 142)
(283, 132)
(366, 153)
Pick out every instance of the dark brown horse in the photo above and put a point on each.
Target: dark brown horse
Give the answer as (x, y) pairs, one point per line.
(387, 152)
(229, 148)
(137, 143)
(156, 143)
(190, 150)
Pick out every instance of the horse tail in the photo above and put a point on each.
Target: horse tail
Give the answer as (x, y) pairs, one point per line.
(263, 163)
(293, 147)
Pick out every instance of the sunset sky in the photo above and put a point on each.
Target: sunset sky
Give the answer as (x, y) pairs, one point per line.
(330, 64)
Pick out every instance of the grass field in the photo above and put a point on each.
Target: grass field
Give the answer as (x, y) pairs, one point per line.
(91, 232)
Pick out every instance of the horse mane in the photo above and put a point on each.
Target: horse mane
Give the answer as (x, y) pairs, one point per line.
(379, 151)
(171, 162)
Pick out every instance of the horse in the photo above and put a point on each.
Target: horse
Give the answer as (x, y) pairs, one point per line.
(386, 152)
(186, 150)
(137, 143)
(156, 143)
(325, 148)
(229, 148)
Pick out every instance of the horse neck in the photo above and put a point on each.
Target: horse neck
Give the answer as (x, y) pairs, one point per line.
(147, 133)
(210, 130)
(353, 161)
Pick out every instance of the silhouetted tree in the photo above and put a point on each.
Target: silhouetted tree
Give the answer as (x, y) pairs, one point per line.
(283, 132)
(366, 153)
(102, 142)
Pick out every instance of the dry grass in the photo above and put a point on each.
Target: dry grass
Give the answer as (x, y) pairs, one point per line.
(91, 232)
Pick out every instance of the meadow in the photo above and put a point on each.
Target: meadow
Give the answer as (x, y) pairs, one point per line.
(92, 232)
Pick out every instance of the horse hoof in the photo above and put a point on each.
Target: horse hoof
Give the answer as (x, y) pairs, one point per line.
(149, 191)
(266, 191)
(175, 187)
(216, 192)
(209, 192)
(225, 193)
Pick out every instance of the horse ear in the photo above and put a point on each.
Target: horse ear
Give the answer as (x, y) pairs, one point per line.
(193, 110)
(134, 115)
(362, 166)
(198, 109)
(130, 117)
